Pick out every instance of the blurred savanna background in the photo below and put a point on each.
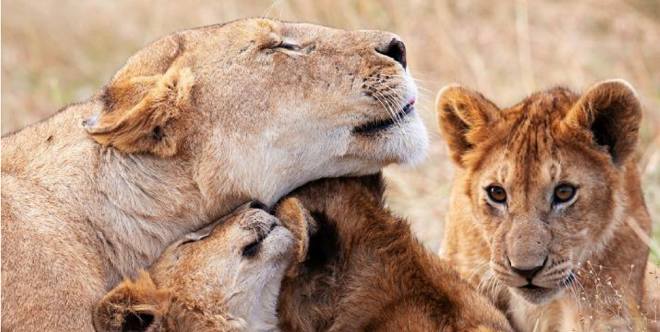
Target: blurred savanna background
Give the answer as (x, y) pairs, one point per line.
(58, 52)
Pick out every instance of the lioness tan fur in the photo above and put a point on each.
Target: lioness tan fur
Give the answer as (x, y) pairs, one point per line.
(225, 278)
(366, 271)
(546, 212)
(191, 127)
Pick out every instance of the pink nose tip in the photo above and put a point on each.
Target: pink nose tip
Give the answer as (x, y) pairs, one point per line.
(412, 101)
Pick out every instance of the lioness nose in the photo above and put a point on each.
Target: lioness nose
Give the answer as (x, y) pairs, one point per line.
(528, 273)
(396, 50)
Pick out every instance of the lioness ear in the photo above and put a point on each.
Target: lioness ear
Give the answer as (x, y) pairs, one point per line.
(611, 112)
(464, 118)
(298, 220)
(131, 306)
(144, 101)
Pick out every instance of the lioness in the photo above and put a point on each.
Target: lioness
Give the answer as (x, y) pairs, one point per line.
(191, 127)
(222, 278)
(546, 211)
(366, 271)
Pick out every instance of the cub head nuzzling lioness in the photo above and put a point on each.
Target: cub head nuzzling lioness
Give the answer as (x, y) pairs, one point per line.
(225, 277)
(194, 125)
(547, 210)
(365, 270)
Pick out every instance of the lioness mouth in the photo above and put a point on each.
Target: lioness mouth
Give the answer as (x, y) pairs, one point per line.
(379, 125)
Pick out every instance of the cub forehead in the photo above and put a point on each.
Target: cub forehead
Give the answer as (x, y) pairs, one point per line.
(504, 167)
(244, 218)
(543, 107)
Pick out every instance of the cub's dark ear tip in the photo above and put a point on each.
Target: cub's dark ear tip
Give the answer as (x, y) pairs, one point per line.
(259, 205)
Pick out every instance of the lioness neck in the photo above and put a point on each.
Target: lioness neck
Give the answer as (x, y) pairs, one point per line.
(130, 206)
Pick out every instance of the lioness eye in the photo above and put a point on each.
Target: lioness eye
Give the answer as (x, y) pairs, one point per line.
(288, 46)
(496, 193)
(564, 193)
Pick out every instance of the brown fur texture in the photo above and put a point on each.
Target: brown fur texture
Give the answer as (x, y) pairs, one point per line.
(550, 264)
(193, 125)
(207, 282)
(366, 271)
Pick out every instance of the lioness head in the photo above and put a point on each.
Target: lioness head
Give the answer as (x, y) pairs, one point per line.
(266, 101)
(221, 278)
(545, 177)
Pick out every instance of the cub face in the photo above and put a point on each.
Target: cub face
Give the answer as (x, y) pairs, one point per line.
(224, 277)
(329, 102)
(544, 177)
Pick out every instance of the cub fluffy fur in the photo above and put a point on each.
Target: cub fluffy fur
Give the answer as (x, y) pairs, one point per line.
(193, 125)
(546, 211)
(366, 271)
(225, 278)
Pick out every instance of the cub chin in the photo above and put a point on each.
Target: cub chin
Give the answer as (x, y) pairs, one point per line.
(221, 278)
(365, 271)
(547, 212)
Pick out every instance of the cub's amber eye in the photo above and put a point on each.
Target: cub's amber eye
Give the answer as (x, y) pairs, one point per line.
(496, 193)
(564, 193)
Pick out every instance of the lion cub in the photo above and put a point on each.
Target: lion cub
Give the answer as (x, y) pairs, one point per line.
(547, 206)
(225, 278)
(366, 271)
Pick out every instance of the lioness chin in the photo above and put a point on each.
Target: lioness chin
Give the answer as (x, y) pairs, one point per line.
(193, 125)
(546, 212)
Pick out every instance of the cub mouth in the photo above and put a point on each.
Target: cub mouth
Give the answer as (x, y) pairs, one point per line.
(538, 294)
(380, 125)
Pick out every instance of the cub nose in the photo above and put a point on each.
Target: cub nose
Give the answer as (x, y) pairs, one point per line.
(396, 50)
(528, 273)
(258, 205)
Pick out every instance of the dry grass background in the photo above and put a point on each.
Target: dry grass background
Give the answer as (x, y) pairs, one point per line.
(57, 52)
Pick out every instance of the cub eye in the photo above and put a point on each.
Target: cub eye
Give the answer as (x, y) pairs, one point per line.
(564, 193)
(251, 249)
(496, 193)
(193, 240)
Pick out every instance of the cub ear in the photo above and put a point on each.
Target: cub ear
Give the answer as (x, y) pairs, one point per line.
(131, 306)
(144, 101)
(610, 112)
(298, 220)
(465, 118)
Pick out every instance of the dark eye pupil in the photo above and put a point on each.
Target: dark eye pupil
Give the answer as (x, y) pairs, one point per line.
(564, 193)
(251, 249)
(497, 194)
